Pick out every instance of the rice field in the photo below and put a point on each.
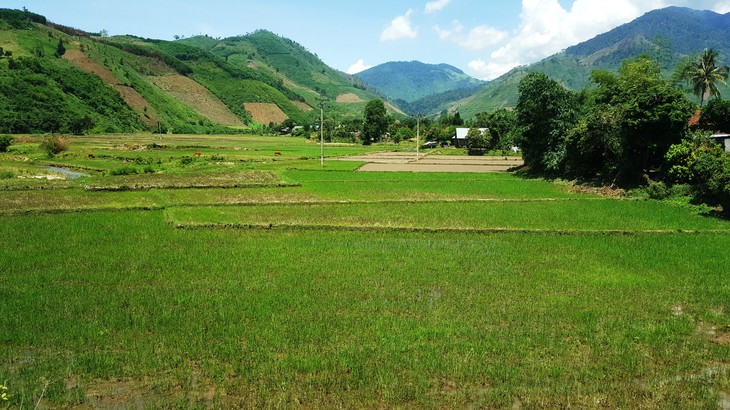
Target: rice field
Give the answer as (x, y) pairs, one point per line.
(281, 285)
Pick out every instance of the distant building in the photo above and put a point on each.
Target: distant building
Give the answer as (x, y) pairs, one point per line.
(723, 139)
(459, 140)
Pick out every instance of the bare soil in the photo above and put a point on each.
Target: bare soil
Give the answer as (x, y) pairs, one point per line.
(407, 162)
(302, 106)
(196, 97)
(265, 113)
(349, 98)
(133, 99)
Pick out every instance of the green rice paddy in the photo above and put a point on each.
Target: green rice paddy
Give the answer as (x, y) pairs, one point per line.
(310, 288)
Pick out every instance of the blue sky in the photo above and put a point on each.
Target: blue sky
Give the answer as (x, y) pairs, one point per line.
(483, 38)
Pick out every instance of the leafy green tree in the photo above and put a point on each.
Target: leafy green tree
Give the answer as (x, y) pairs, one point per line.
(705, 73)
(5, 142)
(60, 49)
(478, 141)
(376, 122)
(593, 146)
(502, 125)
(716, 116)
(546, 111)
(403, 134)
(632, 119)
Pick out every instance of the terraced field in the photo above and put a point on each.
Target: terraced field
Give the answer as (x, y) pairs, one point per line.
(260, 280)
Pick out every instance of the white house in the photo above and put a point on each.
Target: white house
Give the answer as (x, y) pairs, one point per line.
(723, 139)
(459, 140)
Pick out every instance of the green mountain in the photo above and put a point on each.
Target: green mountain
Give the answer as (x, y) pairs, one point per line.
(59, 79)
(299, 69)
(408, 82)
(668, 35)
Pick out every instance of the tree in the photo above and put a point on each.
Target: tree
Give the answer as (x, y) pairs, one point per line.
(704, 73)
(716, 116)
(501, 123)
(546, 111)
(60, 49)
(403, 134)
(5, 142)
(630, 122)
(376, 122)
(478, 141)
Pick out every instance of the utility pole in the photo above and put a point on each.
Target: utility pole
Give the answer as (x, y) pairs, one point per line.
(321, 131)
(418, 134)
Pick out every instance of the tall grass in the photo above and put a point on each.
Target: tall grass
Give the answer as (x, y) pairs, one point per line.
(293, 319)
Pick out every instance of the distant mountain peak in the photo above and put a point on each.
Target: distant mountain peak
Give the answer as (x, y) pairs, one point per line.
(413, 80)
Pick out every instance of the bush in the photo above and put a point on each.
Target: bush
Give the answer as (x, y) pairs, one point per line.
(186, 160)
(7, 174)
(5, 142)
(55, 145)
(125, 170)
(657, 190)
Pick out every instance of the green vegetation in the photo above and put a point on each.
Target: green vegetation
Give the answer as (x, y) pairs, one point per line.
(54, 145)
(413, 80)
(5, 142)
(40, 95)
(668, 36)
(374, 289)
(376, 122)
(632, 130)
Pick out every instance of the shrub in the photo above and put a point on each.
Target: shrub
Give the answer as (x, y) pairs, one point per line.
(6, 174)
(5, 142)
(125, 170)
(54, 145)
(657, 190)
(186, 160)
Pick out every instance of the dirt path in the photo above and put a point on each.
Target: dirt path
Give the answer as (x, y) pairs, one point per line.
(407, 162)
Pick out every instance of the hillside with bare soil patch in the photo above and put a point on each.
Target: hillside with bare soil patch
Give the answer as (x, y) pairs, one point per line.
(133, 99)
(265, 113)
(302, 106)
(349, 98)
(196, 97)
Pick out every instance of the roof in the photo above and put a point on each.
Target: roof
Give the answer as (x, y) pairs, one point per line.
(461, 132)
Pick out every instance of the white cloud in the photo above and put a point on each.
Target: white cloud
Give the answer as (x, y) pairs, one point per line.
(358, 67)
(399, 28)
(722, 7)
(481, 37)
(438, 5)
(477, 39)
(546, 28)
(445, 34)
(486, 70)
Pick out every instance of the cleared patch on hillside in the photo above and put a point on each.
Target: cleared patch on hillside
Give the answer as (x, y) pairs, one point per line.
(394, 108)
(265, 113)
(133, 99)
(196, 97)
(302, 106)
(349, 98)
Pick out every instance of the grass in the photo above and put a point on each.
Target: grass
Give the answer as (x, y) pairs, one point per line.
(594, 216)
(115, 307)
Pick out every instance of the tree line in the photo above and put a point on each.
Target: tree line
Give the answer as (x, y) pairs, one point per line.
(632, 129)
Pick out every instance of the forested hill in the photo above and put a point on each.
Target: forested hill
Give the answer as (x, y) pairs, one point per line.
(300, 69)
(413, 80)
(666, 35)
(55, 78)
(680, 29)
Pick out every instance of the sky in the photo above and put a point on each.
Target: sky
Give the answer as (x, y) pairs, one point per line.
(483, 38)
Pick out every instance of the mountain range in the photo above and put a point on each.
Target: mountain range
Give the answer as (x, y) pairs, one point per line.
(667, 35)
(57, 78)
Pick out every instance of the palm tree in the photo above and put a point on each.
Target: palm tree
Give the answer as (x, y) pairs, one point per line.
(704, 74)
